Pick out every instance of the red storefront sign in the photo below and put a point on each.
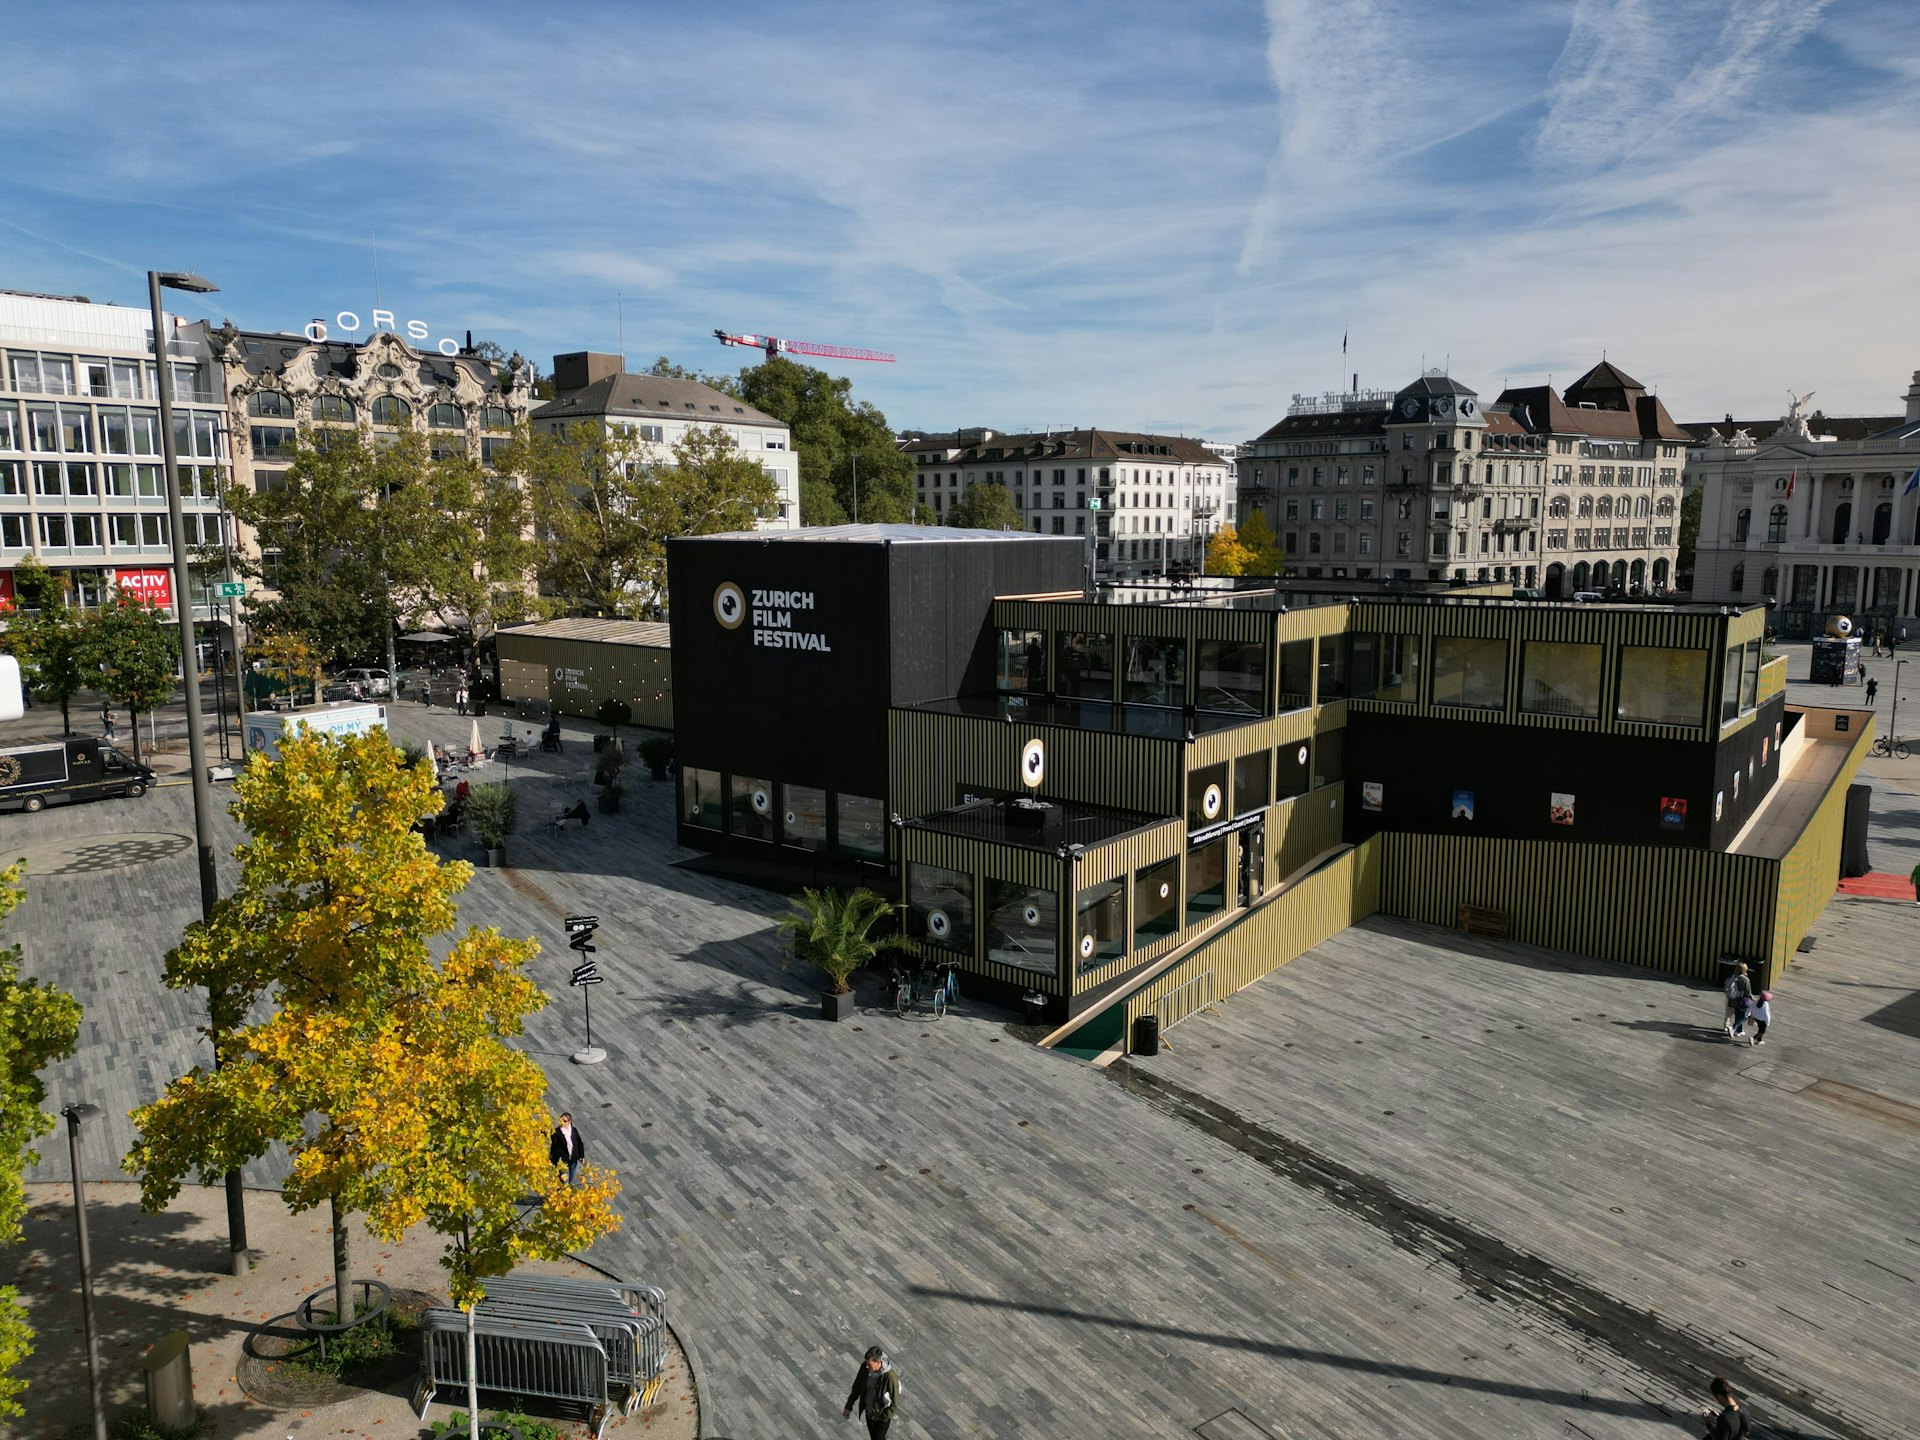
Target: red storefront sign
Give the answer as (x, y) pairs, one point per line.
(153, 585)
(6, 589)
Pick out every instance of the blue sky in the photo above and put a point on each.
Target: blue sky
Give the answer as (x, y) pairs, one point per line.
(1154, 216)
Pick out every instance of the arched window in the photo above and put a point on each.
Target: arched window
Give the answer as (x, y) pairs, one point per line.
(336, 408)
(1580, 576)
(1742, 523)
(496, 417)
(1777, 525)
(1660, 574)
(1737, 582)
(446, 417)
(1882, 522)
(1605, 507)
(1642, 507)
(1639, 572)
(1770, 581)
(390, 410)
(1586, 507)
(1842, 522)
(1619, 574)
(1665, 506)
(269, 405)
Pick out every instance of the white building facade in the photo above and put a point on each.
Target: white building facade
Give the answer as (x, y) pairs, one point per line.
(1822, 526)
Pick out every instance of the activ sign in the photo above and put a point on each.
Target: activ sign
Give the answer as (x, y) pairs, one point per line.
(771, 614)
(151, 583)
(348, 323)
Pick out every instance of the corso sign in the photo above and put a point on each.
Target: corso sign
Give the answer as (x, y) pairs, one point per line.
(348, 323)
(772, 613)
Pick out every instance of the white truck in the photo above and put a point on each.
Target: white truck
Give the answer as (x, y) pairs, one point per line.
(265, 729)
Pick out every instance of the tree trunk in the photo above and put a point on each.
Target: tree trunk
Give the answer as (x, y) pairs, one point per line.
(473, 1378)
(393, 665)
(133, 724)
(66, 720)
(342, 1267)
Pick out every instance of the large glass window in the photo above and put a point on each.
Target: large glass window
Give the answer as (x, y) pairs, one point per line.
(700, 803)
(749, 807)
(269, 405)
(1396, 673)
(940, 906)
(1083, 665)
(1291, 771)
(1296, 675)
(1206, 880)
(1730, 684)
(1332, 683)
(1232, 676)
(1750, 678)
(1156, 672)
(1329, 758)
(390, 410)
(446, 417)
(1250, 776)
(803, 816)
(332, 407)
(1659, 686)
(1156, 902)
(1023, 926)
(860, 826)
(1207, 795)
(1469, 671)
(1022, 663)
(1559, 679)
(1100, 926)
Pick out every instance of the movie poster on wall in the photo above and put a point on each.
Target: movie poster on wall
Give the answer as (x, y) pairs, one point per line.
(1462, 805)
(1371, 794)
(1673, 812)
(1560, 808)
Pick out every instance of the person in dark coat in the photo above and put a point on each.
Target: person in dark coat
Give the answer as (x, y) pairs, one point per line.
(1729, 1422)
(876, 1390)
(566, 1147)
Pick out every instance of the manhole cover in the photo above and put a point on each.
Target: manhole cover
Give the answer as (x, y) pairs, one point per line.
(87, 854)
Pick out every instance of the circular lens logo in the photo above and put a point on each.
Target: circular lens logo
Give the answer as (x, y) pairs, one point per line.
(1033, 763)
(762, 802)
(1086, 947)
(729, 606)
(1031, 914)
(938, 925)
(1210, 802)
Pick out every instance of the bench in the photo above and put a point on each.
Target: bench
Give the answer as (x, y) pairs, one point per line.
(1483, 920)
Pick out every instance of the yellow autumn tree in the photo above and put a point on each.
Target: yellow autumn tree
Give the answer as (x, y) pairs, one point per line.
(1225, 554)
(1264, 553)
(329, 933)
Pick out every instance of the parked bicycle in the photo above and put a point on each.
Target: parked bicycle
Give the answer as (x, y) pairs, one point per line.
(1888, 745)
(929, 988)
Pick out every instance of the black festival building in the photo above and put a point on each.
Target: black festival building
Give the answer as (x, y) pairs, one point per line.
(1132, 799)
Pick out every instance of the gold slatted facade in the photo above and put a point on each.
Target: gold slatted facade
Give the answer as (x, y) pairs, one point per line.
(990, 860)
(1811, 868)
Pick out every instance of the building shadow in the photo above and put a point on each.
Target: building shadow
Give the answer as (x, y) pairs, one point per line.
(1902, 1016)
(1678, 1029)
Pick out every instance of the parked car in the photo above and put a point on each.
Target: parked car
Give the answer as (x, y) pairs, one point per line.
(35, 776)
(1588, 597)
(364, 681)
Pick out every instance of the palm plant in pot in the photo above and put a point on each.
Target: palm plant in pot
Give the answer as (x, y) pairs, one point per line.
(656, 750)
(832, 930)
(492, 811)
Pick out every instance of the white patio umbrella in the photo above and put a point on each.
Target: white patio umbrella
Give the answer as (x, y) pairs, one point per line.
(474, 747)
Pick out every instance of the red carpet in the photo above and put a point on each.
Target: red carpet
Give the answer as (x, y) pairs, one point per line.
(1877, 886)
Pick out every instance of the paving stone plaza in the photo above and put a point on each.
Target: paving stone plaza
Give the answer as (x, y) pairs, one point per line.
(1408, 1184)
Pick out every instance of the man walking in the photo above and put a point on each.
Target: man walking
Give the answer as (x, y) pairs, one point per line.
(1739, 991)
(876, 1390)
(566, 1147)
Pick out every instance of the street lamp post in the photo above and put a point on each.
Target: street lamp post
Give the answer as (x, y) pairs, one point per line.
(190, 675)
(75, 1114)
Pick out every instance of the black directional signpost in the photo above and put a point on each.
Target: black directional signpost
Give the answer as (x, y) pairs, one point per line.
(586, 974)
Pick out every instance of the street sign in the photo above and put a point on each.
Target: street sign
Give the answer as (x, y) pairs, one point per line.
(586, 974)
(1094, 503)
(233, 589)
(581, 922)
(583, 944)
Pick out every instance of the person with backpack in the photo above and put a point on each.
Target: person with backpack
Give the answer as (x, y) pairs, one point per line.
(1730, 1421)
(1739, 992)
(876, 1390)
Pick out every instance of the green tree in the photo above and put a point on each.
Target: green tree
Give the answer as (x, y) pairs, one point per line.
(35, 587)
(604, 508)
(39, 1024)
(667, 370)
(837, 437)
(832, 931)
(1225, 554)
(51, 645)
(459, 545)
(137, 654)
(329, 935)
(1689, 538)
(1264, 554)
(985, 505)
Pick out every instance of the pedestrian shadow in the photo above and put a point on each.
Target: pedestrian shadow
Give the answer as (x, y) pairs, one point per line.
(1678, 1029)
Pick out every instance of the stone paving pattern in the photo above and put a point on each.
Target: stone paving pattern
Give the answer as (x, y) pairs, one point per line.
(1257, 1247)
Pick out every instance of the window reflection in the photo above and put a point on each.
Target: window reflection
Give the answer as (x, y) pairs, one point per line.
(1083, 665)
(1250, 782)
(1021, 667)
(1296, 675)
(1559, 679)
(940, 906)
(1156, 672)
(1206, 880)
(1232, 677)
(803, 818)
(1660, 686)
(1156, 902)
(1100, 926)
(700, 803)
(860, 826)
(750, 807)
(1470, 671)
(1023, 926)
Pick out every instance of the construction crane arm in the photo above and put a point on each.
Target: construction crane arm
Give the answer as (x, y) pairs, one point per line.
(775, 346)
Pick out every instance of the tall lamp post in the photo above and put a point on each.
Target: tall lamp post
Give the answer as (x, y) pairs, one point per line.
(75, 1114)
(190, 674)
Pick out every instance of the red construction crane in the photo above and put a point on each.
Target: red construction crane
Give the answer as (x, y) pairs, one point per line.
(775, 347)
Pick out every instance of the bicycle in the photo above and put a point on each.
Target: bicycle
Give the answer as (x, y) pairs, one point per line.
(1887, 745)
(927, 986)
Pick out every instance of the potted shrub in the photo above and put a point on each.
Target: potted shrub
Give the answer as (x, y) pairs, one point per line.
(657, 750)
(832, 931)
(612, 760)
(492, 811)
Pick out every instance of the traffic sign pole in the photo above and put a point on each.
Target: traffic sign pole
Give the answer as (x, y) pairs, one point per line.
(586, 975)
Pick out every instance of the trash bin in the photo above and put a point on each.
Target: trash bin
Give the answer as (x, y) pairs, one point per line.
(168, 1370)
(1033, 1009)
(1146, 1034)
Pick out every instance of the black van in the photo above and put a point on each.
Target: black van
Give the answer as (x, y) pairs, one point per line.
(35, 776)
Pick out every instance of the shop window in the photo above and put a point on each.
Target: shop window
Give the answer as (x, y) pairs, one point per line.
(1730, 684)
(700, 803)
(1083, 665)
(1100, 926)
(1156, 903)
(1470, 671)
(1559, 679)
(1156, 672)
(1251, 777)
(1296, 675)
(1206, 880)
(1329, 758)
(749, 807)
(1750, 678)
(1333, 667)
(1232, 677)
(1206, 795)
(1023, 927)
(1659, 686)
(803, 816)
(1292, 770)
(1022, 665)
(940, 907)
(860, 826)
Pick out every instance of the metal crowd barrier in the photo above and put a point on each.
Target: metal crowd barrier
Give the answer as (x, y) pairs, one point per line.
(648, 1298)
(549, 1359)
(635, 1342)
